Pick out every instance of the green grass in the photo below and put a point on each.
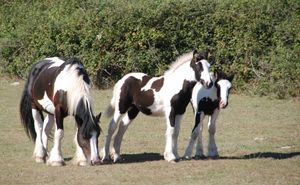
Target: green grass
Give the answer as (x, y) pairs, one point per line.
(258, 140)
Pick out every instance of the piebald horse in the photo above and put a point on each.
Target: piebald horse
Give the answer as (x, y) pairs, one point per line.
(208, 102)
(166, 95)
(60, 88)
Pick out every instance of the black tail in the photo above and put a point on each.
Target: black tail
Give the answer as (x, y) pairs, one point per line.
(26, 114)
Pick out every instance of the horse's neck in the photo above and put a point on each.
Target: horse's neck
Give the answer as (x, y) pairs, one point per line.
(181, 74)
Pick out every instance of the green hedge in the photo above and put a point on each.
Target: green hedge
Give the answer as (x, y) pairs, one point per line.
(257, 40)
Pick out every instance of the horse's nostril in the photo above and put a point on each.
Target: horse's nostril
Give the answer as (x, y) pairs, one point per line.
(210, 85)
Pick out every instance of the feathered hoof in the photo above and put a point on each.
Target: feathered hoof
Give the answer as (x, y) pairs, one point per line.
(105, 161)
(81, 163)
(56, 163)
(116, 158)
(40, 159)
(186, 157)
(171, 158)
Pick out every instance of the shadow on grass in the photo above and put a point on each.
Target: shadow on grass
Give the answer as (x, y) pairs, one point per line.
(141, 157)
(259, 155)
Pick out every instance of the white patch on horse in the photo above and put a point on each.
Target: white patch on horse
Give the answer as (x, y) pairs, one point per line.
(93, 145)
(47, 104)
(56, 61)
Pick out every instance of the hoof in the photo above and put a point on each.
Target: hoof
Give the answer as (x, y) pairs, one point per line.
(105, 161)
(214, 157)
(174, 161)
(56, 163)
(200, 157)
(117, 159)
(40, 159)
(186, 158)
(82, 163)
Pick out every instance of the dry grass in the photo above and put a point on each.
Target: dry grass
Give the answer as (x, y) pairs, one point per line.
(258, 139)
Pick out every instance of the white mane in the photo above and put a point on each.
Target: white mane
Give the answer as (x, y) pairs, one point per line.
(187, 57)
(69, 81)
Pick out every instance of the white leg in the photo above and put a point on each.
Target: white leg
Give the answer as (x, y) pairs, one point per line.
(39, 152)
(56, 158)
(47, 128)
(115, 152)
(112, 127)
(79, 158)
(212, 147)
(168, 154)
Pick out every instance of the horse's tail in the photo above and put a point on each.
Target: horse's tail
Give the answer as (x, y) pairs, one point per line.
(26, 113)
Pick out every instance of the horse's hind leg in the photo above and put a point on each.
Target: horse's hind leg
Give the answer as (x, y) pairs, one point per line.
(47, 128)
(127, 119)
(111, 129)
(39, 152)
(212, 147)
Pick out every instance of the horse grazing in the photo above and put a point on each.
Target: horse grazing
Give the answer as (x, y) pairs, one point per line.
(208, 102)
(166, 95)
(60, 88)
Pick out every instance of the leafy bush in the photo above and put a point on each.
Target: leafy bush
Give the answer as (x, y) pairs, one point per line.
(257, 40)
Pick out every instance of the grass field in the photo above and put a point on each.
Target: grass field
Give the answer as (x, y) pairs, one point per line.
(258, 140)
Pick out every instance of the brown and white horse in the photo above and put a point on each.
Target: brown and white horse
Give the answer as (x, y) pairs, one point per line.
(60, 88)
(208, 101)
(167, 95)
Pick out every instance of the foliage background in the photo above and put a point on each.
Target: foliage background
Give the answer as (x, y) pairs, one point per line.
(257, 40)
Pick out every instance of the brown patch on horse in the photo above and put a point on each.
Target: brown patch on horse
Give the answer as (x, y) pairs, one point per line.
(144, 99)
(131, 95)
(157, 84)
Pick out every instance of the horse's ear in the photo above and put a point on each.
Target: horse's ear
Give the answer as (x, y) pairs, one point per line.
(216, 74)
(230, 78)
(195, 52)
(98, 117)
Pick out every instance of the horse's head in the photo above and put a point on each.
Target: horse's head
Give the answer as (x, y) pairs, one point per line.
(201, 66)
(88, 133)
(223, 85)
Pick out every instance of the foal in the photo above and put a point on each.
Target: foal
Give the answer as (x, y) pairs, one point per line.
(167, 95)
(208, 102)
(60, 88)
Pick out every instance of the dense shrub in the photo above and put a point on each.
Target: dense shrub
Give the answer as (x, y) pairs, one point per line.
(257, 40)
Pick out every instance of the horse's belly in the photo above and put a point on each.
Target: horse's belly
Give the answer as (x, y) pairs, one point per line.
(157, 110)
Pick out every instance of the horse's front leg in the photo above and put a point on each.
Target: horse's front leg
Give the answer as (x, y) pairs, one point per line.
(196, 133)
(169, 149)
(212, 147)
(56, 158)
